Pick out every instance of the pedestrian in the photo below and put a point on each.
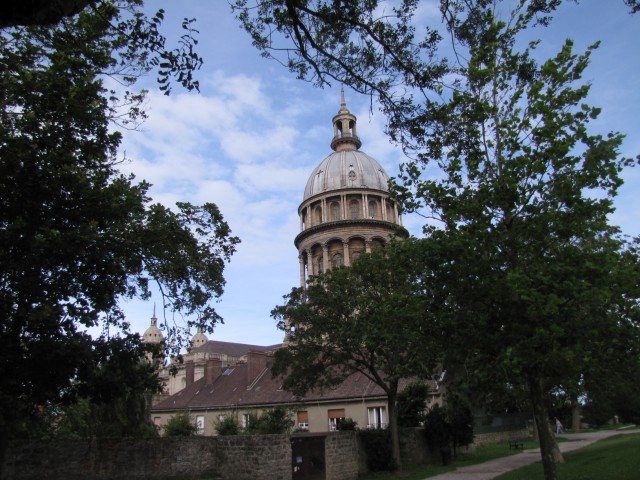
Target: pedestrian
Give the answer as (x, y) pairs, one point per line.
(559, 428)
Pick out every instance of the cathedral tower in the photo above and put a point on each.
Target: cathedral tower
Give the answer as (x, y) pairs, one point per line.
(346, 210)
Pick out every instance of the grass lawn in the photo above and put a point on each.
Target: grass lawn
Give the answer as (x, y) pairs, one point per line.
(481, 454)
(612, 458)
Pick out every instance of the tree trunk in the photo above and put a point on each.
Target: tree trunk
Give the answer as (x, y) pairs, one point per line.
(393, 428)
(549, 450)
(575, 414)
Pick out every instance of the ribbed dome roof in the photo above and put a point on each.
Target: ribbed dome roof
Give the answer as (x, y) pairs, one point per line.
(346, 169)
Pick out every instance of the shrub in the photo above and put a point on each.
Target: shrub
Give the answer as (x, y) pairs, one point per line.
(377, 446)
(180, 425)
(347, 425)
(228, 426)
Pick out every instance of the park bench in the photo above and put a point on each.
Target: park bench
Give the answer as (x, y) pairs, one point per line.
(516, 444)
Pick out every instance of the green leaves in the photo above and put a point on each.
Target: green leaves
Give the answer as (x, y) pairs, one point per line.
(76, 236)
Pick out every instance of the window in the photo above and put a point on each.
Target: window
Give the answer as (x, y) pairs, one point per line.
(372, 210)
(337, 260)
(353, 209)
(200, 425)
(246, 420)
(377, 417)
(303, 420)
(318, 215)
(335, 417)
(355, 256)
(335, 211)
(320, 264)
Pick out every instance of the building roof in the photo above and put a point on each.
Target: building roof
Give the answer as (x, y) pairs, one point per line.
(153, 334)
(231, 349)
(346, 167)
(346, 170)
(235, 389)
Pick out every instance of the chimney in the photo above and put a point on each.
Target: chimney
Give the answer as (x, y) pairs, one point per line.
(189, 371)
(256, 363)
(212, 370)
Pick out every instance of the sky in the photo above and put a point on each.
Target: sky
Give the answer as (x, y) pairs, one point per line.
(250, 139)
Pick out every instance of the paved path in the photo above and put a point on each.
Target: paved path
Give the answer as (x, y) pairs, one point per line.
(494, 468)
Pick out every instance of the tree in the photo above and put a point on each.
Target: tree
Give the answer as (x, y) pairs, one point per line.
(371, 318)
(76, 236)
(412, 404)
(534, 284)
(547, 287)
(180, 425)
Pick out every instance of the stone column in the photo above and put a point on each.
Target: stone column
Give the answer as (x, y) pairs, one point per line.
(302, 277)
(325, 257)
(367, 246)
(383, 207)
(324, 210)
(345, 253)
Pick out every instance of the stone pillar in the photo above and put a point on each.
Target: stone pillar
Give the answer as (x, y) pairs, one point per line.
(365, 213)
(302, 277)
(383, 207)
(323, 206)
(367, 246)
(325, 257)
(345, 254)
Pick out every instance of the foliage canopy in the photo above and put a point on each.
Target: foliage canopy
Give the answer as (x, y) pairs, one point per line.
(77, 236)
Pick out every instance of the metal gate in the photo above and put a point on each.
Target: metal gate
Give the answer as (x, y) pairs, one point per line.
(307, 455)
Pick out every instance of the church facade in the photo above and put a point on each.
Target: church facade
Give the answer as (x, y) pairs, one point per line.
(346, 211)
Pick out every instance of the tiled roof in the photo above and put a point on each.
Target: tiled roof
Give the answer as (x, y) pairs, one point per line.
(235, 390)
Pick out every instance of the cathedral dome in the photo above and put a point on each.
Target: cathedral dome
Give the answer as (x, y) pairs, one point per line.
(153, 334)
(346, 169)
(199, 339)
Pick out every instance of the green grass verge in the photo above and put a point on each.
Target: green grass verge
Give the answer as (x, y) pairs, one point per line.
(612, 458)
(480, 455)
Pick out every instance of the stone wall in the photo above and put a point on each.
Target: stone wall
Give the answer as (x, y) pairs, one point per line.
(341, 456)
(222, 458)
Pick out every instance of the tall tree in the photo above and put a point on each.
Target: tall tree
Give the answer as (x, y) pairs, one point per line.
(372, 318)
(536, 287)
(76, 236)
(541, 286)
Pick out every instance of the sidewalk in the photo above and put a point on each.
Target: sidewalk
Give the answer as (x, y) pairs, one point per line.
(494, 468)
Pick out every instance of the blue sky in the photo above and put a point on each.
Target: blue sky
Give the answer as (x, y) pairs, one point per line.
(249, 140)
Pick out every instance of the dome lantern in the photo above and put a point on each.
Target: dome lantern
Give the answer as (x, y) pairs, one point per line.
(345, 136)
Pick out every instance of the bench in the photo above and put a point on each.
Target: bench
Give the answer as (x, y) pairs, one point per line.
(516, 444)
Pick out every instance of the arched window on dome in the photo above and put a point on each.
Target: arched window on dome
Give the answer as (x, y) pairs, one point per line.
(372, 209)
(318, 215)
(353, 209)
(320, 264)
(355, 256)
(335, 211)
(336, 260)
